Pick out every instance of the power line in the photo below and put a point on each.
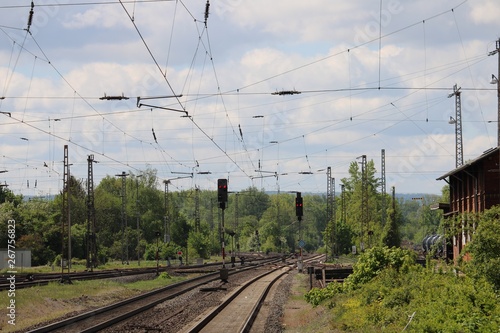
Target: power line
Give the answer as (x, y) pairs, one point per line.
(73, 4)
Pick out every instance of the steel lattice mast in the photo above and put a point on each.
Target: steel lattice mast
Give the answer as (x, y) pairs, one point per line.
(197, 209)
(383, 189)
(65, 220)
(364, 201)
(329, 208)
(91, 218)
(123, 176)
(458, 125)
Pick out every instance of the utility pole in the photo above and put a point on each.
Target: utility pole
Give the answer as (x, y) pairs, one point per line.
(496, 80)
(334, 216)
(383, 188)
(138, 215)
(69, 219)
(91, 218)
(65, 220)
(364, 201)
(123, 176)
(459, 157)
(166, 226)
(2, 186)
(342, 199)
(329, 208)
(235, 227)
(166, 218)
(394, 202)
(197, 209)
(329, 194)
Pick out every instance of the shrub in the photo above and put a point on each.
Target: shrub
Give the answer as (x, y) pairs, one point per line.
(434, 303)
(316, 296)
(375, 260)
(164, 276)
(370, 264)
(485, 248)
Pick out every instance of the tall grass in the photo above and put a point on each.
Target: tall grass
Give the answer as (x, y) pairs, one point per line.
(40, 304)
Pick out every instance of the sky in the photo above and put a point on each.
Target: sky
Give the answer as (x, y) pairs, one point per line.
(265, 94)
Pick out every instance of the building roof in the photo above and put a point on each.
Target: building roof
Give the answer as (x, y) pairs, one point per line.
(485, 154)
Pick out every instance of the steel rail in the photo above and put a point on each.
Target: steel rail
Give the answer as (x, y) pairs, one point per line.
(42, 279)
(149, 300)
(252, 315)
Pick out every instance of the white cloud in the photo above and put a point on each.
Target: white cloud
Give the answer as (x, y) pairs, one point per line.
(485, 11)
(106, 17)
(257, 48)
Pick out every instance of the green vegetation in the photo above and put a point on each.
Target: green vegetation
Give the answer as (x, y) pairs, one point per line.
(388, 292)
(39, 304)
(485, 248)
(263, 222)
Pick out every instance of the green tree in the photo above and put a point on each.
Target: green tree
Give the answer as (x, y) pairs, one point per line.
(253, 202)
(41, 254)
(344, 237)
(485, 248)
(107, 202)
(247, 226)
(316, 221)
(6, 195)
(366, 231)
(199, 244)
(445, 193)
(37, 230)
(180, 231)
(77, 210)
(417, 220)
(276, 223)
(391, 236)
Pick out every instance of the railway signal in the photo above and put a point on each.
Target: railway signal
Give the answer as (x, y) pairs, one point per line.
(299, 206)
(222, 199)
(222, 193)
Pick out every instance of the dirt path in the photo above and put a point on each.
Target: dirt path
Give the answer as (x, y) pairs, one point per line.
(300, 316)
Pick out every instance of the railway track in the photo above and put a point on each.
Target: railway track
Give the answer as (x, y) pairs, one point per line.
(30, 280)
(239, 310)
(40, 279)
(98, 319)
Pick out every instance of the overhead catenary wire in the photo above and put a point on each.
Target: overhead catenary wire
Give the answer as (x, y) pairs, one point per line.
(171, 37)
(29, 86)
(425, 68)
(172, 90)
(197, 96)
(12, 72)
(89, 3)
(151, 54)
(469, 68)
(409, 26)
(76, 94)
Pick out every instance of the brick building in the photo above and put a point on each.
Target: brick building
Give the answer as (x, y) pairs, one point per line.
(474, 187)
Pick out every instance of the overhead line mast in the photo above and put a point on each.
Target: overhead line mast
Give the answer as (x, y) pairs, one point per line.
(383, 188)
(66, 221)
(91, 218)
(330, 209)
(364, 202)
(123, 176)
(458, 125)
